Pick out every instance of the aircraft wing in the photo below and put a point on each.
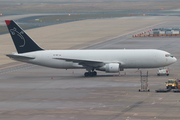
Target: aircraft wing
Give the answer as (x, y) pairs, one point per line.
(19, 57)
(85, 63)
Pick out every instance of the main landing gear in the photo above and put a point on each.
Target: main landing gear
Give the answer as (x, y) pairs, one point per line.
(90, 74)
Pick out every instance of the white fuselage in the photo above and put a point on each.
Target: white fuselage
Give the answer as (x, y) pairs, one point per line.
(127, 58)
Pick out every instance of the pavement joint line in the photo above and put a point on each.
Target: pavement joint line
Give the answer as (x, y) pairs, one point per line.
(132, 106)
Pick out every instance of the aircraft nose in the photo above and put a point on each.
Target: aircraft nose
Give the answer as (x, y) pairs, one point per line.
(174, 59)
(171, 60)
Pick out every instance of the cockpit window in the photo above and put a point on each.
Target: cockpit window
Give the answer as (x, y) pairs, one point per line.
(169, 55)
(171, 81)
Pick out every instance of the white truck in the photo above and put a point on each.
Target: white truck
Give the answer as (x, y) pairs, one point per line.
(163, 71)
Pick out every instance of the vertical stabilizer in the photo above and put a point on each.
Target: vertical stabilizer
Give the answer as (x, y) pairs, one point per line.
(22, 41)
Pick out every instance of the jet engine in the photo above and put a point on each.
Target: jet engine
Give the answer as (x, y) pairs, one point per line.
(110, 68)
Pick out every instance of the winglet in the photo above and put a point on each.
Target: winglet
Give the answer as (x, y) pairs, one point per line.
(8, 22)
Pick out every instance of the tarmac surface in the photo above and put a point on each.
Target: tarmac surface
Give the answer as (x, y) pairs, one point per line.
(31, 92)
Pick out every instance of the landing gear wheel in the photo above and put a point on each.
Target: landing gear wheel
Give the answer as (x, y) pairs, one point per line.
(94, 73)
(90, 74)
(86, 74)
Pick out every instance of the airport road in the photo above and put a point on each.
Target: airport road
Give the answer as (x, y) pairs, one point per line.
(36, 93)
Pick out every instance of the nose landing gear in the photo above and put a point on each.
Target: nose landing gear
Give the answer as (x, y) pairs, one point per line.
(90, 74)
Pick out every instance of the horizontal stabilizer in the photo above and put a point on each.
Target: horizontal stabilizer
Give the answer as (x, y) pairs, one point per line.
(19, 57)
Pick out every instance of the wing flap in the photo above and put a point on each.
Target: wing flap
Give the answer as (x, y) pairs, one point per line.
(92, 63)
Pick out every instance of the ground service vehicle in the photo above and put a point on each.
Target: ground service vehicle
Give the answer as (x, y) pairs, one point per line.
(172, 83)
(163, 71)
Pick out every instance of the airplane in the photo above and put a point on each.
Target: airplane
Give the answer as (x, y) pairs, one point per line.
(108, 60)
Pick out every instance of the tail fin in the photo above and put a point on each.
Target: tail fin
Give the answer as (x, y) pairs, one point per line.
(22, 41)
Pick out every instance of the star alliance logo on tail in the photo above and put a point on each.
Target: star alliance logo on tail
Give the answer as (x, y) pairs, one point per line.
(14, 32)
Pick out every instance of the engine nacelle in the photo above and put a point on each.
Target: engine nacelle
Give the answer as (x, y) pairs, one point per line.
(110, 68)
